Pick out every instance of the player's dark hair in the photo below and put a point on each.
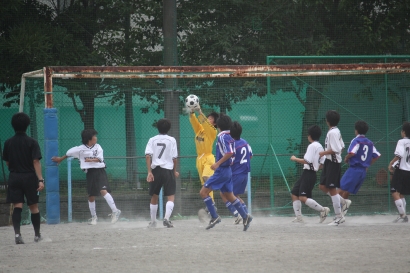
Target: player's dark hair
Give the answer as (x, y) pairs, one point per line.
(314, 132)
(20, 122)
(332, 117)
(236, 130)
(361, 127)
(224, 122)
(406, 128)
(87, 135)
(215, 115)
(163, 126)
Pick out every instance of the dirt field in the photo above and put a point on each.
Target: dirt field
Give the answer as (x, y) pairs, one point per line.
(362, 244)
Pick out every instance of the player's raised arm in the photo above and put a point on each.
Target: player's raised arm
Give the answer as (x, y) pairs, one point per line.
(196, 126)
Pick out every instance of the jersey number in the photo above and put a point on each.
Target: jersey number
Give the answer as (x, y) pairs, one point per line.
(243, 153)
(407, 156)
(365, 151)
(163, 145)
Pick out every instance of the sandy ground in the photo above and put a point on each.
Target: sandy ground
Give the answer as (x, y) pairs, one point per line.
(362, 244)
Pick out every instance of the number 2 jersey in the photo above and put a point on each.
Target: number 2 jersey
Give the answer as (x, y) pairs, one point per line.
(83, 151)
(243, 154)
(363, 150)
(403, 152)
(163, 151)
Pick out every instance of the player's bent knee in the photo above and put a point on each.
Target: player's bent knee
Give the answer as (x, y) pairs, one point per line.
(303, 199)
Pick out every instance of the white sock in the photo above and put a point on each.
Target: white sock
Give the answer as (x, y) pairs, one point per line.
(399, 205)
(110, 202)
(404, 204)
(153, 211)
(91, 205)
(342, 200)
(297, 207)
(313, 204)
(169, 207)
(336, 204)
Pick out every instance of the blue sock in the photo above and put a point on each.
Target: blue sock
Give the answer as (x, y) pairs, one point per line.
(245, 208)
(210, 205)
(237, 204)
(231, 208)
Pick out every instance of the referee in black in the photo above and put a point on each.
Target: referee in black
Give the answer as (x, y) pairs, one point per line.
(22, 155)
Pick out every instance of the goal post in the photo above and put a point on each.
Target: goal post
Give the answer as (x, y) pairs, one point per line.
(269, 100)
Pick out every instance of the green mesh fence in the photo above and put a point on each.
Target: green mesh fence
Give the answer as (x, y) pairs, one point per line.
(275, 113)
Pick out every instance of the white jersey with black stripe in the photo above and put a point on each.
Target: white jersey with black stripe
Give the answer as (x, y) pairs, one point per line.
(334, 142)
(403, 151)
(83, 151)
(163, 150)
(312, 156)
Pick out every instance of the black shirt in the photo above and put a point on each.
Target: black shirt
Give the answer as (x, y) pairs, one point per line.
(20, 151)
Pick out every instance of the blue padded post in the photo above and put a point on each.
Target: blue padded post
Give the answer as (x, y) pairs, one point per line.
(51, 173)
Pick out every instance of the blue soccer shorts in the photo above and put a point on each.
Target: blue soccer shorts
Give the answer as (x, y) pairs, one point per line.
(220, 180)
(239, 182)
(353, 179)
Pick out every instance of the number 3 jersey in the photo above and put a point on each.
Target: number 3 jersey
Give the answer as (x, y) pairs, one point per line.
(403, 151)
(83, 151)
(243, 155)
(363, 150)
(163, 150)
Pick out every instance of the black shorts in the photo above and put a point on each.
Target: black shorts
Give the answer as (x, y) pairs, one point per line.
(22, 185)
(305, 184)
(331, 174)
(162, 178)
(97, 181)
(400, 182)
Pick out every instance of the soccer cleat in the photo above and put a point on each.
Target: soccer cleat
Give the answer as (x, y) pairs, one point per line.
(93, 220)
(115, 216)
(38, 238)
(238, 220)
(337, 220)
(152, 224)
(213, 222)
(401, 218)
(19, 239)
(247, 222)
(167, 223)
(298, 219)
(323, 214)
(346, 206)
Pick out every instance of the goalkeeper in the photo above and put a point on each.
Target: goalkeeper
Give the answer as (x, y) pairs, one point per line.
(205, 135)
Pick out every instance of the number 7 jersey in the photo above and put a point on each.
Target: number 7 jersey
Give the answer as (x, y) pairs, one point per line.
(363, 150)
(163, 150)
(243, 155)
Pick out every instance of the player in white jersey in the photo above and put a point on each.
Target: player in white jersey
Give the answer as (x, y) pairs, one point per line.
(400, 165)
(161, 158)
(302, 190)
(91, 158)
(330, 177)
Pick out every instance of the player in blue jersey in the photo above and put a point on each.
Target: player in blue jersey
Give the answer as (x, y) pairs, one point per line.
(302, 190)
(222, 177)
(360, 155)
(240, 169)
(400, 165)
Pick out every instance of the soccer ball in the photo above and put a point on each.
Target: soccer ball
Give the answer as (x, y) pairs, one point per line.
(192, 102)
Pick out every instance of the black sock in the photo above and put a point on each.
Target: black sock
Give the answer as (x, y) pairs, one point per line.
(35, 220)
(16, 219)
